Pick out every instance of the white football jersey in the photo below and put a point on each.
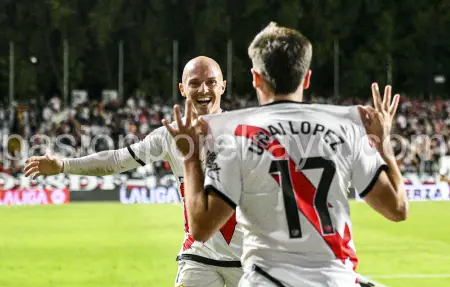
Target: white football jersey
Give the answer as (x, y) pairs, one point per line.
(225, 245)
(444, 166)
(286, 167)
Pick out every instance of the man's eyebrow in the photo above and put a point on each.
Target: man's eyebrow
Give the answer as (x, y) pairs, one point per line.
(197, 79)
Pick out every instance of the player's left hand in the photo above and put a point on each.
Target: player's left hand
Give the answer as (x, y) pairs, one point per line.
(378, 121)
(189, 134)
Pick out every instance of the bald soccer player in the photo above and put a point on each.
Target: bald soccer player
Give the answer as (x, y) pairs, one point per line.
(214, 262)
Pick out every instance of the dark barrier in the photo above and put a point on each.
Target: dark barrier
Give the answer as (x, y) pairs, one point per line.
(95, 195)
(121, 188)
(20, 190)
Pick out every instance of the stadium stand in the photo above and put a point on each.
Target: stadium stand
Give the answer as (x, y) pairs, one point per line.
(424, 126)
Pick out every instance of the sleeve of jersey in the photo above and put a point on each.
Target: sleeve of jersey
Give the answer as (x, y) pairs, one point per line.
(222, 169)
(100, 164)
(443, 170)
(368, 164)
(153, 148)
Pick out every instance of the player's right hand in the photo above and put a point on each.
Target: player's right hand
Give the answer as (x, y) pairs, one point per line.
(43, 165)
(187, 134)
(378, 121)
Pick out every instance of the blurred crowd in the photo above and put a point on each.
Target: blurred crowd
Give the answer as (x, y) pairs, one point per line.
(420, 132)
(422, 128)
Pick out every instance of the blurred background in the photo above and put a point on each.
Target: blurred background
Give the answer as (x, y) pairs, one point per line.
(112, 67)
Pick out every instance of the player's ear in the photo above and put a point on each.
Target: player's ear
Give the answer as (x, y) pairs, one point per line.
(307, 79)
(181, 87)
(224, 85)
(257, 79)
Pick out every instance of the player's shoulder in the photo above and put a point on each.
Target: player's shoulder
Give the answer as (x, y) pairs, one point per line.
(346, 114)
(227, 121)
(159, 133)
(347, 117)
(226, 115)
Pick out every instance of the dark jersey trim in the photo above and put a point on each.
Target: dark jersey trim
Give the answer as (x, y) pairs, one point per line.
(134, 156)
(209, 188)
(263, 273)
(374, 180)
(285, 102)
(209, 261)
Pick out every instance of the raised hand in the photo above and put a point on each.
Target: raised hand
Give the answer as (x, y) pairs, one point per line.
(187, 135)
(43, 165)
(378, 121)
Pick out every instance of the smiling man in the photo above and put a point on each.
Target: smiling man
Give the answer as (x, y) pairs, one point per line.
(212, 263)
(203, 84)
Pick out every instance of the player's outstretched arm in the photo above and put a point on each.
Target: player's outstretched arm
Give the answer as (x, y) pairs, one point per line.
(152, 148)
(98, 164)
(388, 194)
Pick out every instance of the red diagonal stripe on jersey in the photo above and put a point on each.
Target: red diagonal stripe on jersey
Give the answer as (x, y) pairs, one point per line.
(277, 178)
(188, 242)
(304, 193)
(186, 224)
(227, 230)
(250, 132)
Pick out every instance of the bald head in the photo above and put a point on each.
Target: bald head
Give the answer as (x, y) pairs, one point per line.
(203, 84)
(201, 64)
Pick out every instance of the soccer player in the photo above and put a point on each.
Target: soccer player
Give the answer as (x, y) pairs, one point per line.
(214, 262)
(285, 167)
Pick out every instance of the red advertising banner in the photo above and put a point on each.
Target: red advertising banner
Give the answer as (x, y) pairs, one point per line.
(35, 196)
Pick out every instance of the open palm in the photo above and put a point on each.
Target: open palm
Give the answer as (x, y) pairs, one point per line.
(43, 165)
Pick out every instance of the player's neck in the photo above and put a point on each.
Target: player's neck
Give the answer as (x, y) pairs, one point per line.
(267, 96)
(211, 112)
(295, 97)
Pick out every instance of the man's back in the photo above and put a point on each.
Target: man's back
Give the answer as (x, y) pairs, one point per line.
(296, 162)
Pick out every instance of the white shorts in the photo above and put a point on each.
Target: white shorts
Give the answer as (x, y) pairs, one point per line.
(195, 274)
(280, 277)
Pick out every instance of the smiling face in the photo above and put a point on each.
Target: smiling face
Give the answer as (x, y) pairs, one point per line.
(203, 84)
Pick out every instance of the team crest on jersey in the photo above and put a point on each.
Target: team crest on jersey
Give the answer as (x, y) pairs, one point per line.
(212, 166)
(262, 139)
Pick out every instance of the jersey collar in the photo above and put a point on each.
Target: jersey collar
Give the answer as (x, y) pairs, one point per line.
(285, 102)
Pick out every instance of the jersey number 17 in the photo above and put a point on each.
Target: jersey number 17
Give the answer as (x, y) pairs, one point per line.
(300, 194)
